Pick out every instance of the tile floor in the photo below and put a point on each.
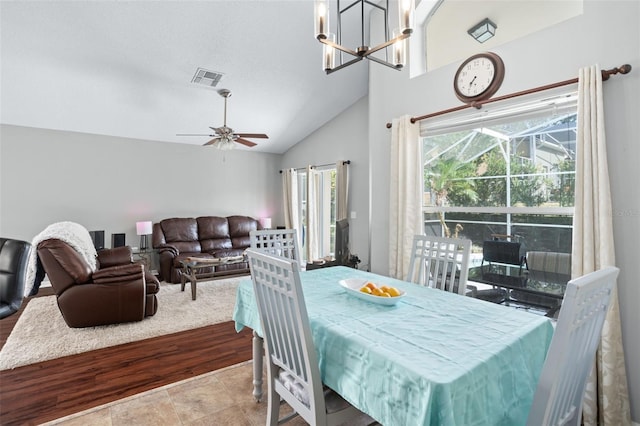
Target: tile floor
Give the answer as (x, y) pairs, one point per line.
(220, 398)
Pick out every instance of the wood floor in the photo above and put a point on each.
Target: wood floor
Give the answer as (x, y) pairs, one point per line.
(45, 391)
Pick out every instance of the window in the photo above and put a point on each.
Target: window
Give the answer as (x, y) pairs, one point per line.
(325, 210)
(509, 171)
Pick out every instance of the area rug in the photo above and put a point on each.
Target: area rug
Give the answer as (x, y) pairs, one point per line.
(41, 333)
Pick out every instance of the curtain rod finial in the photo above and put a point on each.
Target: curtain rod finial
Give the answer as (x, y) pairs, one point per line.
(624, 69)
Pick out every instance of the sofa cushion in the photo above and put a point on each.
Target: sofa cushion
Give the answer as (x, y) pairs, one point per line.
(214, 233)
(182, 233)
(180, 229)
(239, 229)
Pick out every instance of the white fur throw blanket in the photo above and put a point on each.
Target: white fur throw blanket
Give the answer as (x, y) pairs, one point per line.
(71, 233)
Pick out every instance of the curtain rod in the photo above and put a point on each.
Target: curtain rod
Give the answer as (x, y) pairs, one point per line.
(624, 69)
(322, 165)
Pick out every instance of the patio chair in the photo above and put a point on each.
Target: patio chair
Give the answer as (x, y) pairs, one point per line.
(503, 252)
(561, 387)
(547, 266)
(280, 242)
(500, 249)
(293, 373)
(442, 263)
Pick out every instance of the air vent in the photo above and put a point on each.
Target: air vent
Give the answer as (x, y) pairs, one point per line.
(206, 78)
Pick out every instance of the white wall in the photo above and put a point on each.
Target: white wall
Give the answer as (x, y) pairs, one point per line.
(109, 183)
(608, 34)
(344, 138)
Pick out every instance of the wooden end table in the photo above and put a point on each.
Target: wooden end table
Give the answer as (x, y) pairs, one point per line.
(192, 270)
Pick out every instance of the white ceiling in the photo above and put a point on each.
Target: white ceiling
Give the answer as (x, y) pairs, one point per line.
(125, 69)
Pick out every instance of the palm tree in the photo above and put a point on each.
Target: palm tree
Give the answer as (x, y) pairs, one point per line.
(447, 176)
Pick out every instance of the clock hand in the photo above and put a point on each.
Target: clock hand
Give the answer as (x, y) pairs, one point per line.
(474, 79)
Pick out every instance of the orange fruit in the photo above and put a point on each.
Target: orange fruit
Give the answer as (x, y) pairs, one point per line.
(377, 292)
(393, 292)
(371, 285)
(384, 288)
(365, 289)
(385, 294)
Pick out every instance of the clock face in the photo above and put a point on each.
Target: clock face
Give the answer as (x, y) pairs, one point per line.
(479, 77)
(475, 77)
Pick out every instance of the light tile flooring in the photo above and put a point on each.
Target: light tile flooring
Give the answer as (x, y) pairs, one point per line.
(219, 398)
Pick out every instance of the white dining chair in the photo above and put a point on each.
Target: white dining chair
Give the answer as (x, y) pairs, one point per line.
(281, 242)
(442, 263)
(558, 397)
(293, 374)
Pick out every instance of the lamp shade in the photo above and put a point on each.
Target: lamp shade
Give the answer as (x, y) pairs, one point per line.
(144, 228)
(265, 222)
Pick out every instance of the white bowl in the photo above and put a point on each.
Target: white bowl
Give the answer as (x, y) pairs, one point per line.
(353, 285)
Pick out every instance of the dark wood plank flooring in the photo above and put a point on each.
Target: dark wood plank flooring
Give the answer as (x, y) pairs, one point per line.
(45, 391)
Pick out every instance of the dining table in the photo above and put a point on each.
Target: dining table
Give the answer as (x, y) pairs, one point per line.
(432, 358)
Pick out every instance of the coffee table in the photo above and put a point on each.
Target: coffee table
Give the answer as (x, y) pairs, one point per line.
(192, 270)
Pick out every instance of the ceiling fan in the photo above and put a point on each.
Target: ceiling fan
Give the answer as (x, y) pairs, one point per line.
(224, 136)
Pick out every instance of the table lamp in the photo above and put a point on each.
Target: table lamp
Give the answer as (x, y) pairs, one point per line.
(265, 222)
(143, 229)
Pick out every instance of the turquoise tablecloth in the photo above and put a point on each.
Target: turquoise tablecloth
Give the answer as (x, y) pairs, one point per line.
(435, 358)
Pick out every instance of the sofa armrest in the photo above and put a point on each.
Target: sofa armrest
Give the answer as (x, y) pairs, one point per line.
(168, 248)
(119, 274)
(115, 256)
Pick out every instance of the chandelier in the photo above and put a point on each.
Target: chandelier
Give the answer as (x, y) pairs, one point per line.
(331, 44)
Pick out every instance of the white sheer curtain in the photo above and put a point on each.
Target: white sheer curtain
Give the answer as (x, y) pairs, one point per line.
(342, 190)
(291, 203)
(606, 400)
(313, 181)
(406, 188)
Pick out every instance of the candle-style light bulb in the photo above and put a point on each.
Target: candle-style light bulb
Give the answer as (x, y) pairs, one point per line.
(329, 54)
(321, 19)
(406, 10)
(399, 50)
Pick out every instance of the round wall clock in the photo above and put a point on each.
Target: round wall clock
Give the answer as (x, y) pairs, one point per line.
(479, 77)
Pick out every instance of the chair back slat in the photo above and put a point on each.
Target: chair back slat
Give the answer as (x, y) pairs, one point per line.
(280, 242)
(558, 397)
(442, 263)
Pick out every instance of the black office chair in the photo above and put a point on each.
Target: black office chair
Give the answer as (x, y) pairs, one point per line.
(14, 255)
(503, 251)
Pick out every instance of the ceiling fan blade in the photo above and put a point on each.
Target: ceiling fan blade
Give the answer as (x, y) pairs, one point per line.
(245, 142)
(252, 135)
(193, 134)
(212, 141)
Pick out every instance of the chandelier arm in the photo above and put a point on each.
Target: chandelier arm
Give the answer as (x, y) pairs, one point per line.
(386, 44)
(339, 47)
(382, 62)
(346, 64)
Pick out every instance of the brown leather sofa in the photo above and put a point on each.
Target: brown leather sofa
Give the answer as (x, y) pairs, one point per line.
(206, 237)
(118, 291)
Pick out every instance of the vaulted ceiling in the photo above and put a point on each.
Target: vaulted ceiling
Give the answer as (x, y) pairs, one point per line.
(125, 69)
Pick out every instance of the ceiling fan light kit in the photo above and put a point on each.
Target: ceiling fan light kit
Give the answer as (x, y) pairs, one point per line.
(224, 137)
(406, 9)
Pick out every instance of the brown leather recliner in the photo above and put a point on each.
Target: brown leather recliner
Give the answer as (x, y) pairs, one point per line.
(118, 291)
